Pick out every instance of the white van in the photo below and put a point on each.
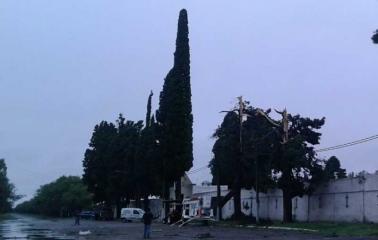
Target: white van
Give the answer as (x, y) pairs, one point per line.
(131, 214)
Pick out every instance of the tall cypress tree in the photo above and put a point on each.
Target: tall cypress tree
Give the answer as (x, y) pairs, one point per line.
(148, 114)
(175, 112)
(148, 164)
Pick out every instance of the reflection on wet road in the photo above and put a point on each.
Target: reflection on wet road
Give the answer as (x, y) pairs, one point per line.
(22, 227)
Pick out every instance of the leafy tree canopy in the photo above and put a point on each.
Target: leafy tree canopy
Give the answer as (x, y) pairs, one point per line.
(333, 169)
(7, 189)
(96, 161)
(375, 37)
(59, 198)
(243, 163)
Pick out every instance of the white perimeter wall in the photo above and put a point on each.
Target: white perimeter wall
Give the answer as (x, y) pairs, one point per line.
(345, 200)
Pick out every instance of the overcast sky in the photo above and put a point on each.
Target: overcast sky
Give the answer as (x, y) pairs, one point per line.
(67, 65)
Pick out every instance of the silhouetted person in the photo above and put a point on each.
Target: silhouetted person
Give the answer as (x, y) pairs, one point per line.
(147, 220)
(77, 217)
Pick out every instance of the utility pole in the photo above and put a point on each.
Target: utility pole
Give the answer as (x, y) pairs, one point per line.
(257, 191)
(240, 112)
(240, 159)
(219, 208)
(284, 125)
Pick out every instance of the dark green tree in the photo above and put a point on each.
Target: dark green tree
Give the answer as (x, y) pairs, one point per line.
(7, 189)
(97, 162)
(148, 114)
(148, 167)
(295, 164)
(333, 169)
(110, 162)
(375, 37)
(226, 150)
(123, 160)
(226, 166)
(174, 116)
(242, 167)
(59, 198)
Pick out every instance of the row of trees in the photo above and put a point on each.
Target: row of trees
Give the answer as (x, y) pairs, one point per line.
(59, 198)
(7, 190)
(121, 162)
(132, 160)
(257, 151)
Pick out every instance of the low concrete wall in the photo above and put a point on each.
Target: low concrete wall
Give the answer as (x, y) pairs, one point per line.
(343, 200)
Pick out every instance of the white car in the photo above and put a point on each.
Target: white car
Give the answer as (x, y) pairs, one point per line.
(131, 214)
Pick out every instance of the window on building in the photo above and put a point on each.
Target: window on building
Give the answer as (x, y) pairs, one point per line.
(276, 203)
(296, 203)
(347, 201)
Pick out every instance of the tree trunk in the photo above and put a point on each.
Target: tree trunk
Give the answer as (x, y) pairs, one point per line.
(219, 207)
(146, 202)
(287, 206)
(257, 207)
(165, 200)
(118, 207)
(257, 191)
(178, 195)
(237, 204)
(226, 198)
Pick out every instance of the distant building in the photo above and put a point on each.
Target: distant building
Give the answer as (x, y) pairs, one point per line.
(186, 188)
(186, 191)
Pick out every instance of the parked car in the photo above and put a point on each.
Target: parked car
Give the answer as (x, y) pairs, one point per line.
(88, 215)
(131, 214)
(103, 213)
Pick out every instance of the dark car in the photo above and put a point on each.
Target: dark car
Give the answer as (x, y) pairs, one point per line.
(104, 214)
(88, 215)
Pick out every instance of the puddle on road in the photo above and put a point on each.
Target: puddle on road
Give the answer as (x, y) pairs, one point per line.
(22, 228)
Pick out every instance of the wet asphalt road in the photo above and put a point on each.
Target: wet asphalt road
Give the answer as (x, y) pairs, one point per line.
(16, 226)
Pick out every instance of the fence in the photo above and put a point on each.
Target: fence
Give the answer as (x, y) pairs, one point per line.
(345, 200)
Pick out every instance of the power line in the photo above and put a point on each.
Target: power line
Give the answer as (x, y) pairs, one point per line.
(349, 144)
(197, 170)
(344, 145)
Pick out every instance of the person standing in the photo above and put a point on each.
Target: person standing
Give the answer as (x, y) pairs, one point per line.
(147, 220)
(77, 217)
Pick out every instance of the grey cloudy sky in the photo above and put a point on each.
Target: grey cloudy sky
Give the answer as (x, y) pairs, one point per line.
(66, 65)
